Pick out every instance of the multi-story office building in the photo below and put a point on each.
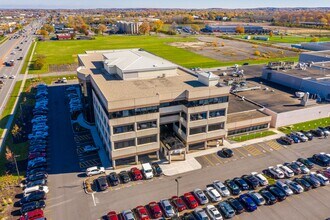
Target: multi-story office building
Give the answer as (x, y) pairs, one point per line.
(143, 104)
(126, 27)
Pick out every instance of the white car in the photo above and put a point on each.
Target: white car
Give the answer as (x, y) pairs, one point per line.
(29, 190)
(12, 77)
(223, 190)
(213, 194)
(200, 196)
(302, 167)
(276, 172)
(128, 215)
(262, 179)
(90, 148)
(286, 170)
(284, 187)
(301, 136)
(213, 212)
(4, 76)
(94, 171)
(294, 186)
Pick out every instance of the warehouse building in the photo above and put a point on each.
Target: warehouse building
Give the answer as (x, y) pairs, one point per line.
(143, 104)
(316, 46)
(317, 56)
(232, 29)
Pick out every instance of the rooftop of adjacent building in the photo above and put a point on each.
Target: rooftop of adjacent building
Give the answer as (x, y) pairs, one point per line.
(316, 71)
(323, 53)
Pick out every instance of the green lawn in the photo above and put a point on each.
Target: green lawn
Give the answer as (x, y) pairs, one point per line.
(285, 39)
(246, 137)
(26, 61)
(2, 39)
(65, 52)
(49, 79)
(309, 125)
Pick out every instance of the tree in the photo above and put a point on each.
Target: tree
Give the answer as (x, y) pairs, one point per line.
(39, 62)
(195, 27)
(240, 29)
(144, 28)
(158, 25)
(48, 28)
(257, 53)
(188, 19)
(44, 33)
(9, 155)
(16, 131)
(271, 34)
(315, 39)
(102, 28)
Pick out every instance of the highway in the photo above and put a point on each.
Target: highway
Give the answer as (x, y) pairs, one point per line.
(15, 48)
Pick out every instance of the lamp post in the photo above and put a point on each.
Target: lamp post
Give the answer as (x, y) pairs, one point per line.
(177, 185)
(15, 156)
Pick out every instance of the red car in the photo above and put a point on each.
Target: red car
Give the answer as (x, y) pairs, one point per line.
(156, 212)
(137, 175)
(112, 215)
(36, 154)
(32, 215)
(190, 200)
(178, 203)
(142, 213)
(325, 172)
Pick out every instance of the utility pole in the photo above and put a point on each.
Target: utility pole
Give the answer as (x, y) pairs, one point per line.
(16, 163)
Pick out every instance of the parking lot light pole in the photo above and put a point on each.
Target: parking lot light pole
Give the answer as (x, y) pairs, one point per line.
(177, 185)
(15, 156)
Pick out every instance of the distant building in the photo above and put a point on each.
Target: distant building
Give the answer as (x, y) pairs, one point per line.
(126, 27)
(316, 46)
(318, 56)
(63, 36)
(232, 29)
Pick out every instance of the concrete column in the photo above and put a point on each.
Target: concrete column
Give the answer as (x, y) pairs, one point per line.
(184, 155)
(205, 145)
(136, 159)
(169, 156)
(187, 148)
(114, 164)
(157, 153)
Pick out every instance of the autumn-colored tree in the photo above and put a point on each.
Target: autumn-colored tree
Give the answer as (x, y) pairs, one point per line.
(9, 154)
(315, 39)
(144, 28)
(215, 43)
(271, 34)
(44, 33)
(102, 28)
(195, 27)
(15, 131)
(188, 19)
(39, 62)
(47, 27)
(240, 29)
(257, 53)
(157, 25)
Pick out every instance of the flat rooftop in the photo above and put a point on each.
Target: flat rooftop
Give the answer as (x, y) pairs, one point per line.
(236, 104)
(242, 116)
(309, 73)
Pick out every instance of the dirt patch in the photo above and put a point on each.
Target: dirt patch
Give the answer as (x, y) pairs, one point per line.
(62, 67)
(229, 50)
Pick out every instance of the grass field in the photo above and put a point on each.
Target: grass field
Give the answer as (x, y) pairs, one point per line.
(309, 125)
(65, 52)
(286, 39)
(252, 136)
(27, 58)
(2, 39)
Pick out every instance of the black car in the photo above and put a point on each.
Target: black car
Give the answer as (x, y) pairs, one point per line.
(113, 179)
(241, 183)
(32, 206)
(306, 162)
(317, 133)
(305, 184)
(156, 169)
(34, 196)
(124, 176)
(308, 134)
(311, 180)
(37, 165)
(227, 152)
(322, 159)
(251, 180)
(286, 140)
(294, 167)
(277, 192)
(36, 176)
(237, 206)
(101, 183)
(269, 198)
(233, 187)
(36, 170)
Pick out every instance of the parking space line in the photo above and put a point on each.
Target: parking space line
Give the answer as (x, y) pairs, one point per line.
(217, 158)
(264, 148)
(209, 161)
(274, 145)
(240, 152)
(253, 150)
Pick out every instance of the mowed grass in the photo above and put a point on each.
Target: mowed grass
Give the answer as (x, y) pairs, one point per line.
(286, 39)
(251, 136)
(306, 126)
(65, 52)
(27, 58)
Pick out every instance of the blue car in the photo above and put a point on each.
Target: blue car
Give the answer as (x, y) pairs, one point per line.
(248, 203)
(294, 138)
(226, 209)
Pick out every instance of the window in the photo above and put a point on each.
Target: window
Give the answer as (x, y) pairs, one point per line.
(198, 116)
(197, 130)
(217, 113)
(170, 114)
(184, 115)
(132, 112)
(183, 129)
(147, 139)
(197, 145)
(146, 125)
(207, 101)
(177, 124)
(174, 103)
(248, 129)
(218, 126)
(123, 144)
(123, 129)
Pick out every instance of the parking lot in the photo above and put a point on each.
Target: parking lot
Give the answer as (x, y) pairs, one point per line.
(255, 150)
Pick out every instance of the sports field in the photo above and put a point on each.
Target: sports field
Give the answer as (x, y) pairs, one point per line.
(65, 52)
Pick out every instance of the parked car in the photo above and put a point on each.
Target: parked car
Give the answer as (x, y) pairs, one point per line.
(201, 214)
(112, 215)
(35, 196)
(33, 206)
(277, 192)
(40, 182)
(157, 170)
(312, 180)
(280, 184)
(262, 179)
(301, 136)
(317, 132)
(36, 165)
(233, 187)
(294, 167)
(190, 200)
(124, 176)
(200, 196)
(321, 159)
(36, 176)
(256, 197)
(286, 140)
(90, 148)
(35, 155)
(302, 182)
(294, 186)
(167, 208)
(322, 179)
(213, 212)
(247, 202)
(241, 183)
(251, 180)
(179, 204)
(268, 196)
(155, 210)
(136, 173)
(294, 138)
(222, 189)
(36, 170)
(286, 170)
(325, 131)
(276, 172)
(37, 214)
(325, 172)
(147, 171)
(91, 171)
(213, 194)
(227, 152)
(303, 168)
(306, 162)
(226, 209)
(308, 134)
(142, 213)
(128, 215)
(237, 206)
(113, 179)
(101, 183)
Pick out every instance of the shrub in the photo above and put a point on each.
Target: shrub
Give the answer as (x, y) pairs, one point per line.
(4, 202)
(257, 53)
(9, 201)
(315, 39)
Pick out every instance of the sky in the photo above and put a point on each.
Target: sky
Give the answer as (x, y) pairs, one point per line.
(79, 4)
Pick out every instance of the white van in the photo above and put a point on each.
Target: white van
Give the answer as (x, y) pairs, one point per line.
(32, 189)
(147, 171)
